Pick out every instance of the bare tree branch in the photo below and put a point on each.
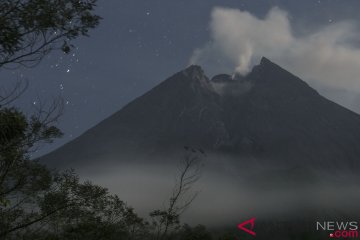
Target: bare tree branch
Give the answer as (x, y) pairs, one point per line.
(9, 96)
(181, 197)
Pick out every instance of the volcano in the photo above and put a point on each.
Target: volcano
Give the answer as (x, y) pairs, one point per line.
(267, 116)
(271, 145)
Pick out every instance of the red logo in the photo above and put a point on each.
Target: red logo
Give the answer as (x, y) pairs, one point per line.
(250, 231)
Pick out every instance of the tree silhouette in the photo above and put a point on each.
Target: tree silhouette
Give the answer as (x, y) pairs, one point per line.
(30, 29)
(181, 198)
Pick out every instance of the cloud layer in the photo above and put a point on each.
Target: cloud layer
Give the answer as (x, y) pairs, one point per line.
(328, 56)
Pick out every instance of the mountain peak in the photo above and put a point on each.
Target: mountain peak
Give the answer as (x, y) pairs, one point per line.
(265, 61)
(268, 72)
(194, 71)
(267, 65)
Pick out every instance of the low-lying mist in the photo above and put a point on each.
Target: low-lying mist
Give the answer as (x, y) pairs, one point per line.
(230, 191)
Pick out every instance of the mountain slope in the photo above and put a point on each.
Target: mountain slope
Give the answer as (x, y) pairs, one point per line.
(269, 115)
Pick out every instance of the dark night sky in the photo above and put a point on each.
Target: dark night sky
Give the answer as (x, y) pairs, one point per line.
(140, 43)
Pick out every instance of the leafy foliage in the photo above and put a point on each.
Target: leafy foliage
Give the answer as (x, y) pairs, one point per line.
(42, 204)
(29, 29)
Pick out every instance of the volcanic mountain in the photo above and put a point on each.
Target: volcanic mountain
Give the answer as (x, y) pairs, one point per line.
(268, 116)
(270, 144)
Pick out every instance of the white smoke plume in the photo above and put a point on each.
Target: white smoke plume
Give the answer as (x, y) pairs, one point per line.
(329, 57)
